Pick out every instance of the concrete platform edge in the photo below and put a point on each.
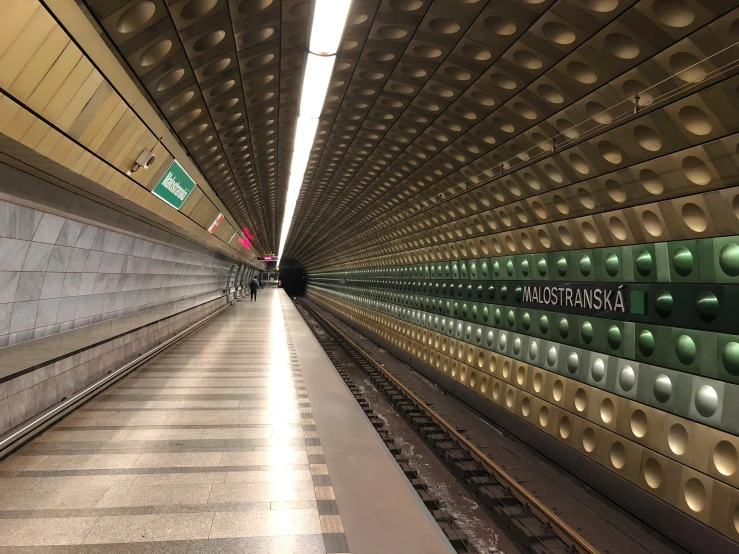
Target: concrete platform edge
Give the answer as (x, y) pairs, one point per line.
(379, 509)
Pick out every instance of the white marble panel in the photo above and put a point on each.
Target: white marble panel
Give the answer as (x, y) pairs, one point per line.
(160, 252)
(87, 237)
(52, 287)
(4, 416)
(142, 248)
(59, 259)
(41, 332)
(93, 261)
(69, 233)
(24, 316)
(65, 325)
(126, 245)
(100, 239)
(47, 312)
(96, 304)
(108, 303)
(45, 394)
(29, 286)
(12, 254)
(18, 222)
(37, 258)
(5, 311)
(113, 280)
(81, 322)
(49, 228)
(111, 263)
(8, 285)
(101, 281)
(21, 406)
(71, 284)
(123, 282)
(87, 284)
(78, 260)
(66, 310)
(74, 271)
(112, 241)
(20, 336)
(83, 308)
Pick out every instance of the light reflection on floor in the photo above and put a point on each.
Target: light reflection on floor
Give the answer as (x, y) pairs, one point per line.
(228, 386)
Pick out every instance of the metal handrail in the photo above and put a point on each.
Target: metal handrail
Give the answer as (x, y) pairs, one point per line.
(20, 435)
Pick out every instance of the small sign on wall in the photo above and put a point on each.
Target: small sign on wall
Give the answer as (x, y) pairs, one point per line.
(174, 186)
(577, 297)
(215, 223)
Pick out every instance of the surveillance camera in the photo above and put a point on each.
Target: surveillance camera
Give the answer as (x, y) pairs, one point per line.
(145, 159)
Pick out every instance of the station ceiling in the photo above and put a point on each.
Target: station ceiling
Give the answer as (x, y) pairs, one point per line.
(452, 128)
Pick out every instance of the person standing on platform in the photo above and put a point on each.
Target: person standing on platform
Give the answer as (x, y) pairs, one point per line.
(253, 286)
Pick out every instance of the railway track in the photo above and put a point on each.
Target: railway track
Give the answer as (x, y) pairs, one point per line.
(529, 522)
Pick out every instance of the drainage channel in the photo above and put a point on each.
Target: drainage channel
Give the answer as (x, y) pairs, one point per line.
(499, 495)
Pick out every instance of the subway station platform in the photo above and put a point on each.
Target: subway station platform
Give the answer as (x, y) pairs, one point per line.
(240, 438)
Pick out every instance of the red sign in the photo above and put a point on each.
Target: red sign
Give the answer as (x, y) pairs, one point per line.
(246, 242)
(215, 223)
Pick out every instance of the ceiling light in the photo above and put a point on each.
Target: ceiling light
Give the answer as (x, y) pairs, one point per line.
(304, 135)
(329, 20)
(318, 70)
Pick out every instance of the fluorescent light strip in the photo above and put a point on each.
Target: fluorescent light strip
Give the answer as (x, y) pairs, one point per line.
(318, 70)
(329, 20)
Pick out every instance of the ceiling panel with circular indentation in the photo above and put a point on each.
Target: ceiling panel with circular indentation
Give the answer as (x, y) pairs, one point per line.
(544, 111)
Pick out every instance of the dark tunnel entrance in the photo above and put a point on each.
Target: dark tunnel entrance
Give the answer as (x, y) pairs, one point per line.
(294, 280)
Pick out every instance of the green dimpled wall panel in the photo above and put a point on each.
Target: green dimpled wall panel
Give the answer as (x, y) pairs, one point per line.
(671, 349)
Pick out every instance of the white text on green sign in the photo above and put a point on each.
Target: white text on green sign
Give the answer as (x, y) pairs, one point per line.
(174, 186)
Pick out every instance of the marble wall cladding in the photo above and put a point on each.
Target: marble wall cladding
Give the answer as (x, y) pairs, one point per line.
(31, 393)
(58, 274)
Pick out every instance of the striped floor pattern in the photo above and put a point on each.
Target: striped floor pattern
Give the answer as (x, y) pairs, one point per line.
(210, 447)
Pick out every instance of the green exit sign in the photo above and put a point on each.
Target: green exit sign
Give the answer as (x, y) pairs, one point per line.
(174, 186)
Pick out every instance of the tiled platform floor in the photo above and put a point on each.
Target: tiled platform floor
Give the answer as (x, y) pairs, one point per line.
(213, 447)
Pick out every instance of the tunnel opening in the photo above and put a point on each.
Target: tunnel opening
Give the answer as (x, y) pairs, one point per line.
(294, 280)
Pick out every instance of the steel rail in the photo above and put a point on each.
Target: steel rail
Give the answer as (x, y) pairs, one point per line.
(559, 527)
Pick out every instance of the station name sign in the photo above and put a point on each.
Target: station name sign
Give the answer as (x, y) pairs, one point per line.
(174, 186)
(578, 297)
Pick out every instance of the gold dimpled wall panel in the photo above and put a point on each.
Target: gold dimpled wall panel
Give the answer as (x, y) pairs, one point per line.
(691, 466)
